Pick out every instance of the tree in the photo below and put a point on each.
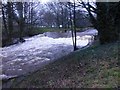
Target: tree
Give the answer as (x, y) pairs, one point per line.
(21, 22)
(60, 12)
(4, 20)
(54, 8)
(105, 20)
(74, 20)
(71, 23)
(10, 19)
(49, 19)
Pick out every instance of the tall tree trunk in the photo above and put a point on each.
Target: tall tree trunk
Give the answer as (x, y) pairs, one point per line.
(21, 20)
(105, 21)
(31, 23)
(4, 20)
(57, 19)
(74, 20)
(71, 24)
(117, 21)
(72, 28)
(10, 19)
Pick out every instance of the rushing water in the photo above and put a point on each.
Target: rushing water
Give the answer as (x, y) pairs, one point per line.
(39, 50)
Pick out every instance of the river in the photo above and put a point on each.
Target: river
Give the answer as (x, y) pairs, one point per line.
(39, 50)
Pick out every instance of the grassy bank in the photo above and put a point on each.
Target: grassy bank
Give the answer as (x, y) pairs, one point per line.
(96, 66)
(42, 30)
(45, 29)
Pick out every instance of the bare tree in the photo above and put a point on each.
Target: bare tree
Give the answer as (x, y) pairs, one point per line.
(105, 20)
(10, 19)
(4, 19)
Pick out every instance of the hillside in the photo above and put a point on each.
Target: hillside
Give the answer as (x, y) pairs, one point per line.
(96, 66)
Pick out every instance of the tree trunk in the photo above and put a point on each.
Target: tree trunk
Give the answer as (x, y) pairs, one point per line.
(105, 21)
(74, 20)
(4, 21)
(10, 19)
(117, 21)
(21, 20)
(71, 26)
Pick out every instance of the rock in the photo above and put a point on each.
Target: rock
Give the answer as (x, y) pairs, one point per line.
(22, 40)
(15, 41)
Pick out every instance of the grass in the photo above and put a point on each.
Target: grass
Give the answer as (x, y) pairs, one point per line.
(94, 67)
(45, 29)
(42, 30)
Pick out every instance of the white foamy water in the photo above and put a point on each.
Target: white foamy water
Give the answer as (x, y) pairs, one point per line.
(37, 51)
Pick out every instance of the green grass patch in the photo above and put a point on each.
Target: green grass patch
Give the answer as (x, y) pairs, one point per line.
(41, 30)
